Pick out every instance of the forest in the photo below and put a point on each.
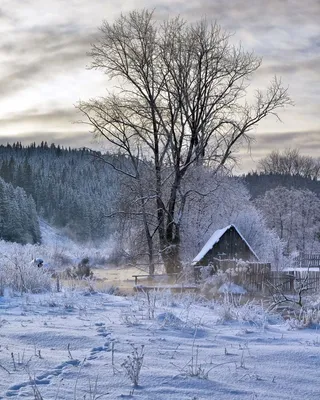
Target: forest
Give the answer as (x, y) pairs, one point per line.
(81, 194)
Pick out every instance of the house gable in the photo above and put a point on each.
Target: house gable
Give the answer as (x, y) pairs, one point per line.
(225, 243)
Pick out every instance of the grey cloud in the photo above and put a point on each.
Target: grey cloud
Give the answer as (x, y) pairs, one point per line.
(40, 55)
(257, 13)
(311, 65)
(307, 142)
(285, 32)
(37, 117)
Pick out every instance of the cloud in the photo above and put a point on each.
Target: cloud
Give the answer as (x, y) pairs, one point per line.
(44, 45)
(52, 53)
(304, 140)
(38, 117)
(307, 142)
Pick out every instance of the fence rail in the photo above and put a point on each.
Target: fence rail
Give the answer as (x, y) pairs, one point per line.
(258, 277)
(307, 260)
(291, 281)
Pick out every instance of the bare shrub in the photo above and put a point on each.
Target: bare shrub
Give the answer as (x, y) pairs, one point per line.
(22, 276)
(133, 364)
(61, 259)
(232, 309)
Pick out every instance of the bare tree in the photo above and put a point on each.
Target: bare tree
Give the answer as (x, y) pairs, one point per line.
(295, 216)
(290, 162)
(179, 100)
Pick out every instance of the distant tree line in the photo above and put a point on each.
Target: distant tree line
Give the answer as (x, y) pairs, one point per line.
(288, 169)
(290, 162)
(286, 189)
(259, 183)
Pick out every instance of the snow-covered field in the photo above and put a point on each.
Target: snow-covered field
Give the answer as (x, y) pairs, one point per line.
(73, 345)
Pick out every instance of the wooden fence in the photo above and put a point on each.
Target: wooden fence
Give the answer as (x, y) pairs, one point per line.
(292, 281)
(258, 277)
(253, 276)
(307, 260)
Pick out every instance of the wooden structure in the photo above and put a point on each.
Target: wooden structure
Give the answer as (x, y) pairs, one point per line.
(161, 282)
(254, 276)
(305, 270)
(310, 261)
(226, 243)
(292, 281)
(152, 277)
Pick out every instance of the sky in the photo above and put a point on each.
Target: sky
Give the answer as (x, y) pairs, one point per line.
(44, 65)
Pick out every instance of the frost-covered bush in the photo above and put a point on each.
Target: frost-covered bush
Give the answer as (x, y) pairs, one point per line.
(305, 319)
(20, 274)
(82, 270)
(210, 285)
(231, 309)
(306, 315)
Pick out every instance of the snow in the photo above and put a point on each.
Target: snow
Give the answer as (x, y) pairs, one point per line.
(215, 239)
(302, 269)
(71, 341)
(232, 288)
(52, 236)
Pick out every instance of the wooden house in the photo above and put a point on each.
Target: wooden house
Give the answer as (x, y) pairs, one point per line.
(225, 244)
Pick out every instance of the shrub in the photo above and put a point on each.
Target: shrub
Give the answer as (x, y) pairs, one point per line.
(21, 275)
(210, 286)
(133, 364)
(82, 270)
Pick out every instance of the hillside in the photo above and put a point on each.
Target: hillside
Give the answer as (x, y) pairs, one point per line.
(71, 190)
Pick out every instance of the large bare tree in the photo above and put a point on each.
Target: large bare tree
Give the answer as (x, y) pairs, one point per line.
(179, 99)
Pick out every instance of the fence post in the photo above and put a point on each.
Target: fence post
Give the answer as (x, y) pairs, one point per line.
(58, 283)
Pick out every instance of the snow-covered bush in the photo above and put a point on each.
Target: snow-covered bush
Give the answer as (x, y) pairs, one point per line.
(300, 312)
(211, 284)
(231, 309)
(20, 274)
(305, 319)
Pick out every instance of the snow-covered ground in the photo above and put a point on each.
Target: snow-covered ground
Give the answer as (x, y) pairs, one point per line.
(72, 345)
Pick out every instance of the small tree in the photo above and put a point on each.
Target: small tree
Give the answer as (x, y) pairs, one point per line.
(178, 101)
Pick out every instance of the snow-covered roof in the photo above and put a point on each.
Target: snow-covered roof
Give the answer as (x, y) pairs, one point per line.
(215, 239)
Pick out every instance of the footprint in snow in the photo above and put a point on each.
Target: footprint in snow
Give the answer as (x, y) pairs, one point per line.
(43, 379)
(97, 350)
(101, 329)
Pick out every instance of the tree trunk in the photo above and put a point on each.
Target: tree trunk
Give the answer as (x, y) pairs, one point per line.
(171, 256)
(170, 240)
(151, 259)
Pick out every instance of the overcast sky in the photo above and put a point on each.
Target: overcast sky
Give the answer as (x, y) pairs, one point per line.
(43, 46)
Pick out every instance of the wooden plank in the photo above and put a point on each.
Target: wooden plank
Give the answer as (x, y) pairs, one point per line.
(173, 288)
(136, 277)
